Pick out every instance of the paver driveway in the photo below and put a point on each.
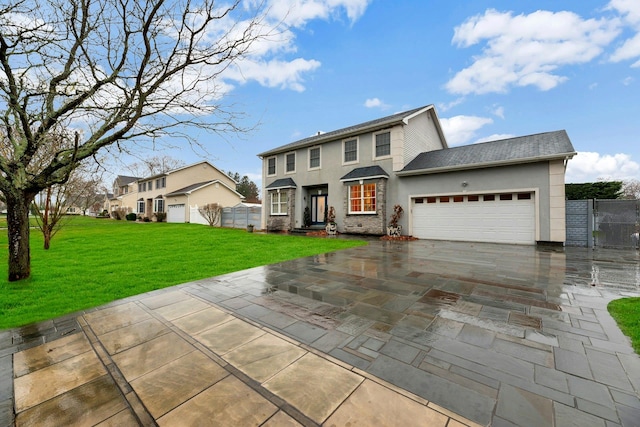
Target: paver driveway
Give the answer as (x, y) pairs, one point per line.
(502, 335)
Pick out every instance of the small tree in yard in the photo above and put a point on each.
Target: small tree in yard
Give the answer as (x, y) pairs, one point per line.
(112, 73)
(211, 212)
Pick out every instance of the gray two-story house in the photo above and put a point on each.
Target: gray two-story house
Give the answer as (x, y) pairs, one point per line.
(508, 191)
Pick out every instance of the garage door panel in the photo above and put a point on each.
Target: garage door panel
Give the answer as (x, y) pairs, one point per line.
(500, 221)
(176, 213)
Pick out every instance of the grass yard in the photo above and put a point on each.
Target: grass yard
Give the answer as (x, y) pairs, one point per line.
(626, 312)
(94, 261)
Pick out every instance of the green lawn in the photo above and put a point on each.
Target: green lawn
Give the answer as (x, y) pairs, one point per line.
(95, 261)
(626, 311)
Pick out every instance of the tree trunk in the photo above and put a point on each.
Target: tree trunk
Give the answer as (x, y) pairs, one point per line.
(18, 229)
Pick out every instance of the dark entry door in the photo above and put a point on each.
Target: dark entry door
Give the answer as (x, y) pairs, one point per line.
(318, 207)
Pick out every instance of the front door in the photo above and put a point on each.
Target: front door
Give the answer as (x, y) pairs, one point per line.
(318, 207)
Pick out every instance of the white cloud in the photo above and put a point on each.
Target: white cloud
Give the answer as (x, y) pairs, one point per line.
(498, 112)
(461, 129)
(527, 50)
(494, 137)
(447, 106)
(590, 166)
(627, 81)
(297, 13)
(375, 103)
(275, 73)
(269, 63)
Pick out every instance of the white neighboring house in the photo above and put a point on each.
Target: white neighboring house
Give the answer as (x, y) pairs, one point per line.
(174, 192)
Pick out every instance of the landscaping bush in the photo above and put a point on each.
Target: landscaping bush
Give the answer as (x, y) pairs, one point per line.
(131, 216)
(161, 216)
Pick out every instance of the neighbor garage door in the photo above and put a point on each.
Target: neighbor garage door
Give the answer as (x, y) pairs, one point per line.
(499, 218)
(176, 213)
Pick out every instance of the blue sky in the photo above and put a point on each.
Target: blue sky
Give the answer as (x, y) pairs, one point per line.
(492, 69)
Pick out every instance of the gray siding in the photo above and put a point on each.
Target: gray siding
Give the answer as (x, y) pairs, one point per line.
(531, 177)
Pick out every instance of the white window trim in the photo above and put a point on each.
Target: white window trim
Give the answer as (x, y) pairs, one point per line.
(309, 158)
(295, 162)
(352, 162)
(275, 169)
(362, 184)
(279, 202)
(155, 205)
(386, 156)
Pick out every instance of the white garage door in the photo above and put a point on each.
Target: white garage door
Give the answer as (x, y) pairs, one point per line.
(499, 218)
(176, 213)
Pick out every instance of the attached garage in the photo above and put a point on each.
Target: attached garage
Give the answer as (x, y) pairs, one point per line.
(176, 213)
(499, 218)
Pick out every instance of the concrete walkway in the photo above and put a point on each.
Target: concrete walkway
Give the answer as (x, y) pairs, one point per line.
(393, 333)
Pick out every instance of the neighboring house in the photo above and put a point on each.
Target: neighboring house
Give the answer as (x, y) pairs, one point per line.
(175, 192)
(122, 186)
(508, 191)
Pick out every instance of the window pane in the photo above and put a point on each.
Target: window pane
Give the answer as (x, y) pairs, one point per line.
(506, 196)
(271, 166)
(291, 162)
(355, 201)
(314, 158)
(351, 151)
(383, 144)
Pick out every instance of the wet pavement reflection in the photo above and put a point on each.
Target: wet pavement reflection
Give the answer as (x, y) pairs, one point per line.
(488, 334)
(473, 319)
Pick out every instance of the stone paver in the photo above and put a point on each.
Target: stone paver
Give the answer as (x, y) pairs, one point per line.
(486, 334)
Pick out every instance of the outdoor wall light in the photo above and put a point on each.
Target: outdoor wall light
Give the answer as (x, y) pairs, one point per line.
(465, 183)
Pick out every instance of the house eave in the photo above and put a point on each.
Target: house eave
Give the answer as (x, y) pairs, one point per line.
(330, 136)
(364, 178)
(485, 165)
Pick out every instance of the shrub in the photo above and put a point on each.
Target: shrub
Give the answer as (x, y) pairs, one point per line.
(161, 216)
(131, 216)
(119, 213)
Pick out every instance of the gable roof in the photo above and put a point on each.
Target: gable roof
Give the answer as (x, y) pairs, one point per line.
(187, 167)
(125, 180)
(366, 172)
(369, 126)
(524, 149)
(197, 186)
(281, 183)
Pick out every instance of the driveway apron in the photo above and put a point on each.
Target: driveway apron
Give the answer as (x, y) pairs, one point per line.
(488, 334)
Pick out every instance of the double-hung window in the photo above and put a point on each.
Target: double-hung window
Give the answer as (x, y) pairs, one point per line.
(383, 144)
(140, 206)
(271, 166)
(314, 158)
(278, 203)
(362, 198)
(158, 205)
(161, 182)
(290, 162)
(350, 151)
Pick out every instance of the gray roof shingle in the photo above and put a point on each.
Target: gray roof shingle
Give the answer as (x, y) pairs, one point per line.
(344, 132)
(364, 173)
(185, 190)
(282, 183)
(523, 149)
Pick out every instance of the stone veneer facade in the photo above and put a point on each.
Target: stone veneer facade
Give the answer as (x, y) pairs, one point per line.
(282, 222)
(366, 223)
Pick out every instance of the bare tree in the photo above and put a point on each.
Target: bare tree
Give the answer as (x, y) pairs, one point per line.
(155, 165)
(76, 192)
(211, 212)
(631, 189)
(112, 72)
